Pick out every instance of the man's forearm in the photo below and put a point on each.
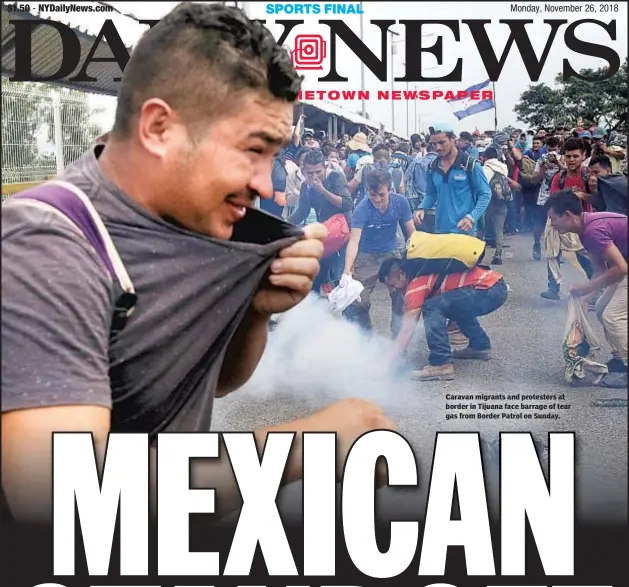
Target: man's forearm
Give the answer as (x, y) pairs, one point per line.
(244, 352)
(350, 256)
(605, 279)
(336, 201)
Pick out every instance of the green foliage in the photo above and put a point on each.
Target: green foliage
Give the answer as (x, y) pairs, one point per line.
(603, 103)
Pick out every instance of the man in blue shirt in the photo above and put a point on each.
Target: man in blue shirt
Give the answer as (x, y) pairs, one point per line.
(461, 195)
(466, 144)
(374, 239)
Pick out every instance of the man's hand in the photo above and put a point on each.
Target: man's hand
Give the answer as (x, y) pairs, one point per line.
(350, 419)
(466, 224)
(291, 277)
(580, 289)
(593, 182)
(317, 184)
(418, 217)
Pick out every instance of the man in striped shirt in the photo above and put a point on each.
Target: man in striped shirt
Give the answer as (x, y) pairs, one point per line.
(461, 297)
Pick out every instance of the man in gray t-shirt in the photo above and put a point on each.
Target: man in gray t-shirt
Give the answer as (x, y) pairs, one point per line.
(181, 167)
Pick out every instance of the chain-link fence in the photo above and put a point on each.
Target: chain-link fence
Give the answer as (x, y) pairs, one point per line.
(43, 130)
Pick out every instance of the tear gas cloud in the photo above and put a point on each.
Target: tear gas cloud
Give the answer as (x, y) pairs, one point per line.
(315, 353)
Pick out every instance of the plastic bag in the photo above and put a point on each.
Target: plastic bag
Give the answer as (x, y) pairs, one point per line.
(580, 347)
(338, 235)
(345, 294)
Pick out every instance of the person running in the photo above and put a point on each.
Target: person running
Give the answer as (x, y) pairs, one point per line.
(181, 169)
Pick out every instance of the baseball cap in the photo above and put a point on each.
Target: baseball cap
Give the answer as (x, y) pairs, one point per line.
(440, 127)
(586, 134)
(598, 133)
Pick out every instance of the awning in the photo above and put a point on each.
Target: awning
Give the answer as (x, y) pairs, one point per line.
(47, 58)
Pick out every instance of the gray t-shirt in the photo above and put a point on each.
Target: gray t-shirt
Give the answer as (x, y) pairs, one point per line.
(160, 373)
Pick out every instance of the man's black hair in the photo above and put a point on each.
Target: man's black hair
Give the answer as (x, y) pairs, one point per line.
(197, 59)
(491, 153)
(552, 142)
(574, 145)
(603, 160)
(388, 265)
(415, 138)
(314, 157)
(565, 201)
(302, 151)
(329, 149)
(466, 136)
(378, 178)
(436, 131)
(381, 153)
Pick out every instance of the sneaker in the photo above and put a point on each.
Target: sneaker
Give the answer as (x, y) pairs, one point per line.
(550, 295)
(435, 373)
(469, 353)
(497, 260)
(537, 252)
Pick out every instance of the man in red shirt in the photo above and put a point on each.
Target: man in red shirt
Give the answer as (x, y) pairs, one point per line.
(574, 177)
(460, 297)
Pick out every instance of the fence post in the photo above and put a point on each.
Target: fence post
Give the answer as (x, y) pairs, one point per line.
(56, 112)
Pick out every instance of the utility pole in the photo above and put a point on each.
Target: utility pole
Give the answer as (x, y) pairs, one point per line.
(393, 52)
(362, 67)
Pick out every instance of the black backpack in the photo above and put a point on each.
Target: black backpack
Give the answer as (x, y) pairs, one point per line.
(585, 175)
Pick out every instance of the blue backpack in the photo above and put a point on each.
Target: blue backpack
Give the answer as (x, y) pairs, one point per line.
(416, 179)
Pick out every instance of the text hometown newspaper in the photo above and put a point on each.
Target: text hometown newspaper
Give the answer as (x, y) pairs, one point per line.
(357, 447)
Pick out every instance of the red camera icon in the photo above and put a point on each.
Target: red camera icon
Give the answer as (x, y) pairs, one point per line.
(309, 52)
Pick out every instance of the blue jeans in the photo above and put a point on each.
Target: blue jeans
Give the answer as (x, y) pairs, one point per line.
(463, 306)
(331, 269)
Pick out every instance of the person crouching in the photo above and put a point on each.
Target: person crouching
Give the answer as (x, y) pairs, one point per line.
(461, 297)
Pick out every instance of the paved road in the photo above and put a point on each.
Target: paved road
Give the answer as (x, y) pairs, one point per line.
(313, 359)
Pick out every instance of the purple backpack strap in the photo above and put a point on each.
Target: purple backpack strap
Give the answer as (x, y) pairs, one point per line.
(77, 208)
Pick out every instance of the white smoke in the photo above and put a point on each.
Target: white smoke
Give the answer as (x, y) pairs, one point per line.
(314, 353)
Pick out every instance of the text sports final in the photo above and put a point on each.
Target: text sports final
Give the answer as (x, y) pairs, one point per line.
(314, 8)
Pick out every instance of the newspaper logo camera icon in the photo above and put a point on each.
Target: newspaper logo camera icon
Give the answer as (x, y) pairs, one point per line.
(309, 52)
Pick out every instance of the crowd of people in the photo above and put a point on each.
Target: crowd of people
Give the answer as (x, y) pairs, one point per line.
(142, 283)
(485, 186)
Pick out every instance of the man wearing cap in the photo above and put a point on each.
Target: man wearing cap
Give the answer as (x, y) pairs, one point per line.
(309, 140)
(461, 194)
(616, 154)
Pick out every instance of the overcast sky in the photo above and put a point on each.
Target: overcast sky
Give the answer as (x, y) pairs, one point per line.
(513, 81)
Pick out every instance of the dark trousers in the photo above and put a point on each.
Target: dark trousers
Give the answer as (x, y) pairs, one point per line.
(585, 263)
(331, 269)
(512, 222)
(463, 306)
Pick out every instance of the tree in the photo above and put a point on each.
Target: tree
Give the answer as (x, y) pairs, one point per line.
(601, 103)
(541, 106)
(596, 102)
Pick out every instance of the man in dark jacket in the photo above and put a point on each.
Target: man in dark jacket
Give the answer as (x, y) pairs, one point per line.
(608, 190)
(328, 196)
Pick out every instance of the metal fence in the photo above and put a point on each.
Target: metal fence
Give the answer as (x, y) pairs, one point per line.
(43, 130)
